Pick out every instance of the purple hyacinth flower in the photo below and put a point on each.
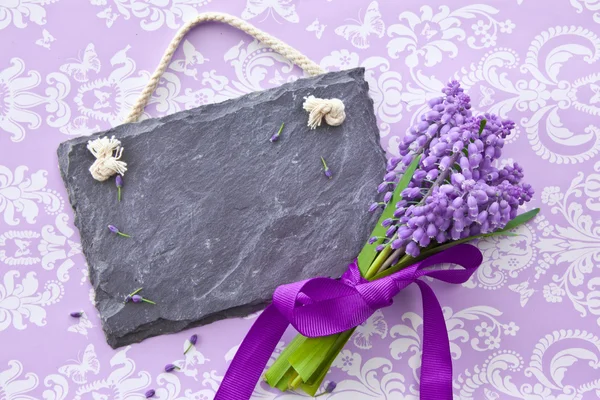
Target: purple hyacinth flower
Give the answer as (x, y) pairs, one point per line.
(171, 367)
(150, 393)
(387, 197)
(193, 339)
(119, 184)
(373, 207)
(390, 176)
(435, 101)
(392, 229)
(76, 314)
(373, 240)
(275, 136)
(396, 244)
(387, 222)
(432, 230)
(114, 229)
(393, 163)
(432, 175)
(412, 249)
(136, 298)
(383, 186)
(330, 387)
(380, 247)
(326, 169)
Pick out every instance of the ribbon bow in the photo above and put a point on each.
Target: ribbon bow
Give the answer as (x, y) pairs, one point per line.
(324, 306)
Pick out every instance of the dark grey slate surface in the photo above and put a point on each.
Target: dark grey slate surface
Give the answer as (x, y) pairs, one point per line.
(219, 216)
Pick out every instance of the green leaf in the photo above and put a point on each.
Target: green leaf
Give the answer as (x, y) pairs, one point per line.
(368, 252)
(313, 384)
(279, 373)
(482, 126)
(307, 358)
(520, 220)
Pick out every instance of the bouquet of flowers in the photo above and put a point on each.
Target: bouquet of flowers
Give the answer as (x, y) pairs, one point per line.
(445, 189)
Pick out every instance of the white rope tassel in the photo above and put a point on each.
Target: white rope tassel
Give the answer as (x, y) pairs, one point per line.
(330, 109)
(106, 164)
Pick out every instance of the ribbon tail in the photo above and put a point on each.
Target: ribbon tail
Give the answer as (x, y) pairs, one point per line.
(251, 358)
(436, 364)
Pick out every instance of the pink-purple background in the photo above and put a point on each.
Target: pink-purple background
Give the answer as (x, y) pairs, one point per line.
(525, 327)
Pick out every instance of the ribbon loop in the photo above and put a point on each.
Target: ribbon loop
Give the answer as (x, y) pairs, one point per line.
(323, 306)
(378, 294)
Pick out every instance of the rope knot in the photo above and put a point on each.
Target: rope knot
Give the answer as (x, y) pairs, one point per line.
(330, 109)
(108, 152)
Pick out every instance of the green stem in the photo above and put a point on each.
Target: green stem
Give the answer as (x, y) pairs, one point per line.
(379, 260)
(148, 301)
(297, 381)
(119, 191)
(123, 234)
(136, 291)
(188, 349)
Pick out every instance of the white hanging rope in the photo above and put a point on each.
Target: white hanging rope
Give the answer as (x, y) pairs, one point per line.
(332, 110)
(282, 48)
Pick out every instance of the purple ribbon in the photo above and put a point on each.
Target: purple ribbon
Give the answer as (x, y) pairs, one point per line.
(325, 306)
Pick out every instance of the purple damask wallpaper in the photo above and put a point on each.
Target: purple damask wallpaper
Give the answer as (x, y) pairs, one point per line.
(527, 325)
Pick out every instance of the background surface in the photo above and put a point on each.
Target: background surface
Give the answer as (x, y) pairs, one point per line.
(526, 326)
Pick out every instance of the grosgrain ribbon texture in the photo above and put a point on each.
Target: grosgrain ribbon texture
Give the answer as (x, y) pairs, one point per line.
(325, 306)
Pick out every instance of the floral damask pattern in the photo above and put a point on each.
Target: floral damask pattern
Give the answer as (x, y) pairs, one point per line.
(525, 326)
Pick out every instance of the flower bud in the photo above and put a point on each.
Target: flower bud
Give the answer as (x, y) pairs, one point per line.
(393, 163)
(387, 197)
(447, 189)
(432, 175)
(425, 240)
(404, 233)
(412, 249)
(390, 176)
(391, 230)
(431, 230)
(441, 237)
(435, 101)
(422, 126)
(396, 244)
(432, 115)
